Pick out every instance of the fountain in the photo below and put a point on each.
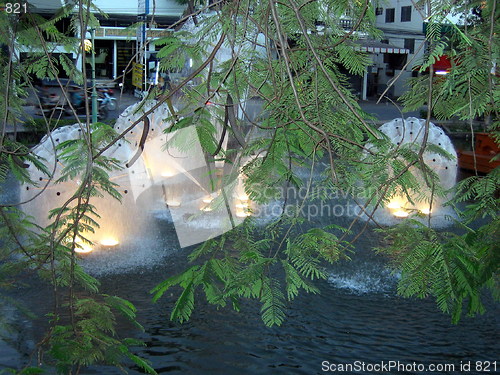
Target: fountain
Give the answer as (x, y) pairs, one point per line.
(411, 131)
(166, 174)
(171, 178)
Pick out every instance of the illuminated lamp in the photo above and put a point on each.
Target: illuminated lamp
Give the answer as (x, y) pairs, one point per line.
(401, 214)
(173, 203)
(109, 242)
(426, 211)
(394, 205)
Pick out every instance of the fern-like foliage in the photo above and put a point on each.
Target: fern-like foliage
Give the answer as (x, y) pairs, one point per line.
(273, 302)
(93, 338)
(229, 270)
(310, 114)
(296, 58)
(451, 268)
(481, 194)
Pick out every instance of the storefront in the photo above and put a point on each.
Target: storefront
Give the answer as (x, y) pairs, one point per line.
(387, 60)
(116, 49)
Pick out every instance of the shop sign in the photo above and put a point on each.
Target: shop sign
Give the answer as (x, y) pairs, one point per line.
(137, 75)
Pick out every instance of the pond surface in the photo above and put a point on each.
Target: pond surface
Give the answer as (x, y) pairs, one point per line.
(357, 317)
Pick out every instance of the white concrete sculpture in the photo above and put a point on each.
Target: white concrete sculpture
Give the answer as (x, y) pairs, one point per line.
(171, 171)
(411, 131)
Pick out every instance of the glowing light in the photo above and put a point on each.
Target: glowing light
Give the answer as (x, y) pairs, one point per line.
(83, 248)
(242, 205)
(426, 211)
(243, 197)
(109, 242)
(166, 174)
(242, 213)
(394, 205)
(441, 72)
(207, 199)
(173, 203)
(401, 214)
(206, 209)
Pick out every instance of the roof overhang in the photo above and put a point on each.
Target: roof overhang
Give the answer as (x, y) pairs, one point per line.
(44, 6)
(373, 46)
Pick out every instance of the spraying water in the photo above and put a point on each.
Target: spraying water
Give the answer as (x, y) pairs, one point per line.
(426, 203)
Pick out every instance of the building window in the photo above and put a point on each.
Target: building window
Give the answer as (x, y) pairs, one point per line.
(389, 15)
(406, 14)
(410, 44)
(379, 11)
(395, 61)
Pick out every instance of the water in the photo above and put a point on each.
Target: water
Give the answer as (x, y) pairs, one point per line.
(357, 317)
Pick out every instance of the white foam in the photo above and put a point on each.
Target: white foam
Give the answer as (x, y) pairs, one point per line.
(141, 254)
(365, 281)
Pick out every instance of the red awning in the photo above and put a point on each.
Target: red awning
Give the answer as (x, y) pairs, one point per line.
(442, 65)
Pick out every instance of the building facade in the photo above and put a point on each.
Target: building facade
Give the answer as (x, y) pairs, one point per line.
(117, 42)
(403, 25)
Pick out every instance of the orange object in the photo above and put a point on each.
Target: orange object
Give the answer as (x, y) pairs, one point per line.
(485, 150)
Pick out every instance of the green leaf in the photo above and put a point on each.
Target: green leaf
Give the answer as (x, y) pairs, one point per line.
(273, 302)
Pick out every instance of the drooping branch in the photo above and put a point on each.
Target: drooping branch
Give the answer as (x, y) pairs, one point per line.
(162, 98)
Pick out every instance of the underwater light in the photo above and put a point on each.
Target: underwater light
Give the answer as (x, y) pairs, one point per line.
(393, 204)
(207, 199)
(166, 174)
(401, 214)
(173, 203)
(83, 248)
(109, 242)
(242, 213)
